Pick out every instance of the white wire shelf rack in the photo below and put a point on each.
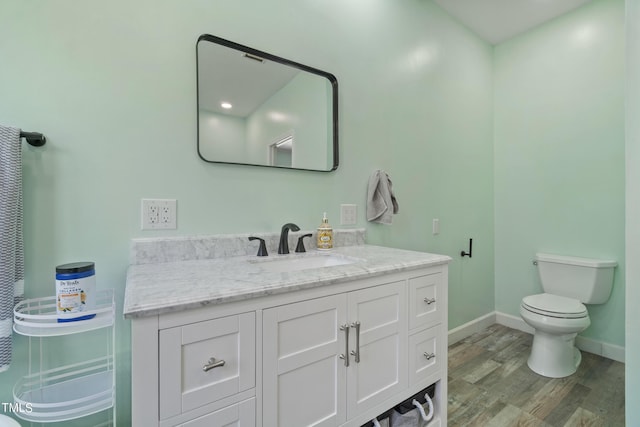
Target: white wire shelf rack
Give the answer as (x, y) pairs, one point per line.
(38, 317)
(67, 392)
(62, 393)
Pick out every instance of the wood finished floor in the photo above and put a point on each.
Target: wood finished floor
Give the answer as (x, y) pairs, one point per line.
(490, 384)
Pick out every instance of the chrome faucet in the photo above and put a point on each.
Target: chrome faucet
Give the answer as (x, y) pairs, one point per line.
(283, 247)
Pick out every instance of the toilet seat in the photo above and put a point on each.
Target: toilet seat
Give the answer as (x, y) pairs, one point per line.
(554, 306)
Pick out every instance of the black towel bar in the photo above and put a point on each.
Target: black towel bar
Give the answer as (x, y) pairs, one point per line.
(34, 138)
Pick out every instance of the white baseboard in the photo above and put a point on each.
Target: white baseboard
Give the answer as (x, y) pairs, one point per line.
(470, 328)
(610, 351)
(513, 322)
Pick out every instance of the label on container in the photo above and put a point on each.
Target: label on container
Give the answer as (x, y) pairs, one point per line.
(75, 296)
(325, 239)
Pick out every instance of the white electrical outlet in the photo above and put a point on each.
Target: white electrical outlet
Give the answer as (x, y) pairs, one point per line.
(348, 214)
(159, 214)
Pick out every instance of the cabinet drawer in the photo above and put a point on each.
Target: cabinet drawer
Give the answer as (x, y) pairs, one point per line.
(427, 302)
(186, 350)
(241, 414)
(426, 353)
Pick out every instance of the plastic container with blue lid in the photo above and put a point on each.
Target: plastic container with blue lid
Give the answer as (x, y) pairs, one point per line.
(75, 291)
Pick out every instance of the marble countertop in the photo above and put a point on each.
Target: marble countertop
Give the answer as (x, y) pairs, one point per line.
(166, 287)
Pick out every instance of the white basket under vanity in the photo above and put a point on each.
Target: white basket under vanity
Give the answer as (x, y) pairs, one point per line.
(71, 364)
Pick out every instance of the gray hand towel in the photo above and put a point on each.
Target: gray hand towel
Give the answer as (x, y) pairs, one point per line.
(381, 202)
(11, 249)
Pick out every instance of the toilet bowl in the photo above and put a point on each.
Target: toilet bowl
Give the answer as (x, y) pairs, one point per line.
(556, 320)
(558, 314)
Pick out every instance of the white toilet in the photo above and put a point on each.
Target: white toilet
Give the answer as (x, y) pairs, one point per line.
(558, 315)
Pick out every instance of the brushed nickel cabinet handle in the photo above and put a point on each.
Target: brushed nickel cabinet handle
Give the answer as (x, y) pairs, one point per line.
(212, 363)
(429, 356)
(356, 352)
(429, 301)
(345, 355)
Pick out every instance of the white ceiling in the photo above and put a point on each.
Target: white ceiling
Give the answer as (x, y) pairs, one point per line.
(498, 20)
(229, 75)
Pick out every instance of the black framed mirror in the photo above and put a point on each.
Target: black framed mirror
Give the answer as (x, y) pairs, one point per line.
(259, 109)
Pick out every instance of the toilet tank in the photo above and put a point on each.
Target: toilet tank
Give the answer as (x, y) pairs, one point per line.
(585, 279)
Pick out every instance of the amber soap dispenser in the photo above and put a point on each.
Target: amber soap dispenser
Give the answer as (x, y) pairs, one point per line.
(325, 235)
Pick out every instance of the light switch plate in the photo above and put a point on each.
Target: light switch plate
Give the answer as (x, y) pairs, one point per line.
(348, 214)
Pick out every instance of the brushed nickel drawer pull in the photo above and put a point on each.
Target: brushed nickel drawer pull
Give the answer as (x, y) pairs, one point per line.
(429, 300)
(345, 355)
(356, 352)
(212, 363)
(429, 356)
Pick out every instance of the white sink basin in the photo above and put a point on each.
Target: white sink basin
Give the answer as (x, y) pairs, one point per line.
(307, 262)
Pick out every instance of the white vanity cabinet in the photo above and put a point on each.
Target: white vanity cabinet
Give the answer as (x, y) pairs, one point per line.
(336, 354)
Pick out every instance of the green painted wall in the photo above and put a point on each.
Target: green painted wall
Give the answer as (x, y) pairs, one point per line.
(112, 85)
(559, 155)
(632, 127)
(305, 101)
(450, 118)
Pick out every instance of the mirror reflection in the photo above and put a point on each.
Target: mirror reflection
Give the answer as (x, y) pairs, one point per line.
(255, 108)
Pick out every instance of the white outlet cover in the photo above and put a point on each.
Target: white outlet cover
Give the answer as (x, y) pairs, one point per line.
(159, 214)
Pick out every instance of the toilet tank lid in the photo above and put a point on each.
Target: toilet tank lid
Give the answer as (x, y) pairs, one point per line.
(572, 260)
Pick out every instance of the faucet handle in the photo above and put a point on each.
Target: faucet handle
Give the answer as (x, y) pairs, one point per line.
(300, 247)
(262, 251)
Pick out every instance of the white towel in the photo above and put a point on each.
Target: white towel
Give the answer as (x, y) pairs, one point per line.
(11, 244)
(381, 202)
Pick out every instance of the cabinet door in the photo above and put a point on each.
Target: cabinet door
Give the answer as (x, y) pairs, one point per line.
(382, 367)
(303, 375)
(241, 414)
(184, 352)
(427, 301)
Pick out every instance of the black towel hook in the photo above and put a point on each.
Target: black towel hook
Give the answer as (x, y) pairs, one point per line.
(35, 139)
(463, 253)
